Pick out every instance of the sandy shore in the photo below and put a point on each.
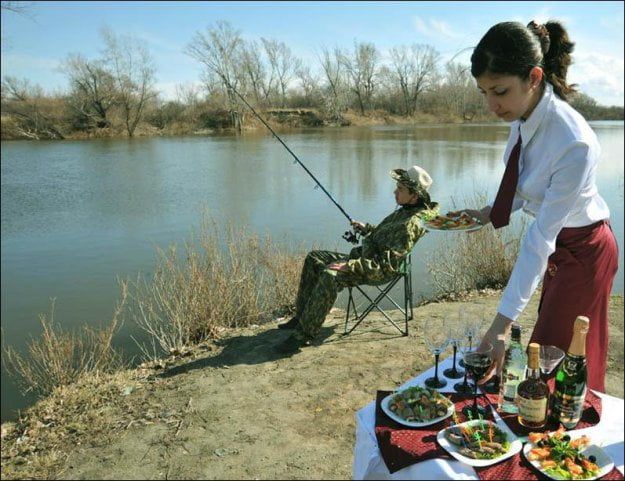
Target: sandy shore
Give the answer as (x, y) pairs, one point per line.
(236, 409)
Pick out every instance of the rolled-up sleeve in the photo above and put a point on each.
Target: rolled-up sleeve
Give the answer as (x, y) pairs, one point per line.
(570, 172)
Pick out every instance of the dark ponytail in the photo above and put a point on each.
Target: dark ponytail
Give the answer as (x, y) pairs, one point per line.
(511, 48)
(557, 59)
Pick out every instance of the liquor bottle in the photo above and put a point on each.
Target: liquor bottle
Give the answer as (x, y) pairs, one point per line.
(533, 393)
(570, 386)
(513, 372)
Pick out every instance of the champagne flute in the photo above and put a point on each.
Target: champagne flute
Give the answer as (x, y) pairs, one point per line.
(477, 362)
(436, 339)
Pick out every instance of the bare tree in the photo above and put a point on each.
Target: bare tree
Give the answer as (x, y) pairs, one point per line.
(132, 68)
(219, 49)
(414, 69)
(254, 70)
(188, 94)
(283, 65)
(362, 70)
(32, 111)
(335, 98)
(309, 83)
(93, 90)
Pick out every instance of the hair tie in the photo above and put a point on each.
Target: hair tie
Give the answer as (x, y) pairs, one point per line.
(543, 35)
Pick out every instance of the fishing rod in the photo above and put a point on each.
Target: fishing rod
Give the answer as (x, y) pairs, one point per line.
(349, 236)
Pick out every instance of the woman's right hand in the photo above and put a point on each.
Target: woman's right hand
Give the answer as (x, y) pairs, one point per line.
(482, 215)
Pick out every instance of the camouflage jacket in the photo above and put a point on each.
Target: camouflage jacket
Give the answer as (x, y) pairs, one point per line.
(384, 246)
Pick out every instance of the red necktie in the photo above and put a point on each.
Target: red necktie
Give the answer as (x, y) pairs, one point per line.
(500, 213)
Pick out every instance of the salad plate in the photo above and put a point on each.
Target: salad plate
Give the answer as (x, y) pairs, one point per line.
(479, 442)
(567, 455)
(417, 406)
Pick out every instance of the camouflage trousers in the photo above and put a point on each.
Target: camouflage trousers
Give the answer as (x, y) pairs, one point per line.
(318, 290)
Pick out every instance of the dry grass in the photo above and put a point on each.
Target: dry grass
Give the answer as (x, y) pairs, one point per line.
(478, 260)
(59, 358)
(226, 279)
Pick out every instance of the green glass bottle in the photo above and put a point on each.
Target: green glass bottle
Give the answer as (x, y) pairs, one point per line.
(570, 387)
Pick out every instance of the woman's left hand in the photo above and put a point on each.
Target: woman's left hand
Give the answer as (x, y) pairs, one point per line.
(496, 336)
(337, 266)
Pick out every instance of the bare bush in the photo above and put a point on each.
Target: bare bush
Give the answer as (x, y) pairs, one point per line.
(225, 280)
(476, 260)
(59, 358)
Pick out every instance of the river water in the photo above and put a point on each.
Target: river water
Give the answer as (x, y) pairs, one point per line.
(77, 214)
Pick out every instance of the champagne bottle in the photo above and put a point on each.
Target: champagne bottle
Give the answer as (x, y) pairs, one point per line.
(571, 382)
(513, 372)
(533, 393)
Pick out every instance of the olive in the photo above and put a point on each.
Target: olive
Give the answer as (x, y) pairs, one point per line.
(592, 459)
(540, 443)
(566, 437)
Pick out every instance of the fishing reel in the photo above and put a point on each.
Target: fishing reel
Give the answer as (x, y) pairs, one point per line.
(351, 236)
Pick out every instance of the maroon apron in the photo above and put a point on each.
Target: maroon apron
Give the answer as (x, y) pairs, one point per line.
(578, 282)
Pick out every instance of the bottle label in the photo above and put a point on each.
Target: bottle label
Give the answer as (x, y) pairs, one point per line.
(533, 410)
(568, 408)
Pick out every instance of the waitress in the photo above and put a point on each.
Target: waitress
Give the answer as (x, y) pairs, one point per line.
(552, 158)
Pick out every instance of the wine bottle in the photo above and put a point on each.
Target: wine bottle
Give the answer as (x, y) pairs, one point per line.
(532, 393)
(513, 372)
(571, 382)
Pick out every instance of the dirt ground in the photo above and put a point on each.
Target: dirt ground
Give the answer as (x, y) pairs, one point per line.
(239, 410)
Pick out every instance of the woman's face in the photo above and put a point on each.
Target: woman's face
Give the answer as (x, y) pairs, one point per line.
(508, 96)
(403, 196)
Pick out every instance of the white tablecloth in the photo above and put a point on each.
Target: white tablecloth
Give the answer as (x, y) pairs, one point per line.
(368, 462)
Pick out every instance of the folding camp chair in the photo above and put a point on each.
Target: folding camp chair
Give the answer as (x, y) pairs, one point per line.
(405, 273)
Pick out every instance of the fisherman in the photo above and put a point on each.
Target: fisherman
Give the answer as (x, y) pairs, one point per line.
(376, 261)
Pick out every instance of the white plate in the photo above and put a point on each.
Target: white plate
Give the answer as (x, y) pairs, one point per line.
(515, 445)
(604, 461)
(434, 228)
(413, 424)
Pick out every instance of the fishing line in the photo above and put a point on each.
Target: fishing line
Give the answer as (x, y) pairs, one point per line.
(349, 236)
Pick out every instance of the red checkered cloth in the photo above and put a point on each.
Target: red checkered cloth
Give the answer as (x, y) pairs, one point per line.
(518, 467)
(591, 414)
(402, 446)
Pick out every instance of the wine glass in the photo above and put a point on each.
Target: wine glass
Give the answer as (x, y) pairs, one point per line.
(463, 386)
(436, 339)
(477, 362)
(473, 323)
(456, 334)
(550, 357)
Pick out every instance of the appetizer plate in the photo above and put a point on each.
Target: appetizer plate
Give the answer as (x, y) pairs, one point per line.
(515, 444)
(462, 223)
(602, 459)
(413, 424)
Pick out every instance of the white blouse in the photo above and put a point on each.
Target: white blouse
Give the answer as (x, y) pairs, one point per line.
(557, 171)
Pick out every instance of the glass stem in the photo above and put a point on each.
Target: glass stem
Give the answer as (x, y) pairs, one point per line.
(454, 365)
(436, 365)
(475, 398)
(464, 383)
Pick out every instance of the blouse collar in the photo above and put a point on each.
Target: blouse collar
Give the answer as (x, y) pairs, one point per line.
(530, 126)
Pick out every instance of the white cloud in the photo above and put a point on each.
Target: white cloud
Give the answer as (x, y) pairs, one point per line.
(600, 76)
(434, 28)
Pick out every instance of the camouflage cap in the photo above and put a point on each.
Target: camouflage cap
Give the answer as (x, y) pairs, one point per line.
(415, 178)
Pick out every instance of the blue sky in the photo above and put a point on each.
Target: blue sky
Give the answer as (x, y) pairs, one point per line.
(33, 45)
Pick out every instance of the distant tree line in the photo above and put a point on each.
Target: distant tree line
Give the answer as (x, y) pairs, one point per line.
(115, 94)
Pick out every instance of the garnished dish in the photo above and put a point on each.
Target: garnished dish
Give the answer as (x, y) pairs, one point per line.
(417, 406)
(562, 455)
(479, 442)
(462, 222)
